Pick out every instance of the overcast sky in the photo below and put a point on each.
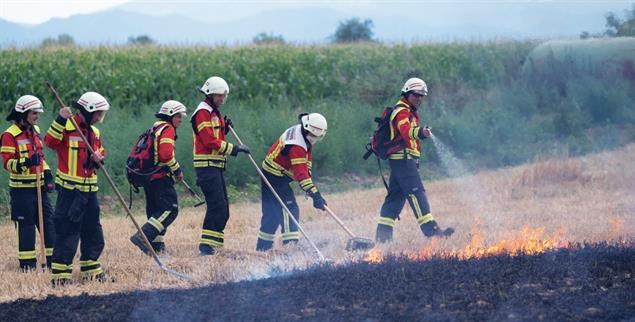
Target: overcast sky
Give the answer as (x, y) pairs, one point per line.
(38, 11)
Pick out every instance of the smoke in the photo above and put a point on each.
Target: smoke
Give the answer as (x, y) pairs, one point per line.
(469, 189)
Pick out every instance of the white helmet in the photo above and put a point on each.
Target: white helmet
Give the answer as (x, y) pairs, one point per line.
(28, 103)
(171, 108)
(315, 124)
(416, 85)
(92, 102)
(215, 85)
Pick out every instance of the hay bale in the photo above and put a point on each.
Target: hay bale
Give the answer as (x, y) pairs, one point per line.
(601, 57)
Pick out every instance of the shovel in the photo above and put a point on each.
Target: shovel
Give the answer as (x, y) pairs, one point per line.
(355, 243)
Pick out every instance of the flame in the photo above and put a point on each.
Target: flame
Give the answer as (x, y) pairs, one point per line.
(528, 241)
(374, 256)
(617, 228)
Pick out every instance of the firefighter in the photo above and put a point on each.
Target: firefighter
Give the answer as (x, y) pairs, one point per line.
(162, 206)
(405, 182)
(289, 159)
(77, 209)
(210, 155)
(21, 155)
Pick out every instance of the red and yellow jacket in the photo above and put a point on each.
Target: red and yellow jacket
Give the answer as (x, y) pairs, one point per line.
(404, 123)
(290, 155)
(164, 137)
(210, 147)
(17, 146)
(75, 168)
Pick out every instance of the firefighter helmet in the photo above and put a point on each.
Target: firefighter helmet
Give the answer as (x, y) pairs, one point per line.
(24, 104)
(315, 124)
(93, 102)
(28, 103)
(171, 108)
(415, 85)
(215, 85)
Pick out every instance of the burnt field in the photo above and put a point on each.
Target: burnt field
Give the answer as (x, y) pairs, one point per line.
(592, 282)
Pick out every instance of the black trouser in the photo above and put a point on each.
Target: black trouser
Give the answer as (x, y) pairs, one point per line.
(273, 215)
(24, 213)
(404, 184)
(162, 208)
(77, 218)
(212, 183)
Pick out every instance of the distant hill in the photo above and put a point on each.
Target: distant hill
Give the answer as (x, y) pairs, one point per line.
(210, 23)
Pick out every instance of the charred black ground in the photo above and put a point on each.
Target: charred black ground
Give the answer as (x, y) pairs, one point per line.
(585, 283)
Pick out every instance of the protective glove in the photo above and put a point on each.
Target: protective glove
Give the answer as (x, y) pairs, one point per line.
(49, 184)
(318, 201)
(178, 175)
(32, 161)
(97, 160)
(228, 123)
(240, 148)
(424, 132)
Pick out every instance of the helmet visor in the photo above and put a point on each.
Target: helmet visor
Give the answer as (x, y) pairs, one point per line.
(313, 139)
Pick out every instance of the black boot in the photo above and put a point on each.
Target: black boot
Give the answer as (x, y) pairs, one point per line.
(206, 250)
(28, 266)
(383, 234)
(138, 241)
(431, 229)
(61, 282)
(101, 277)
(263, 245)
(158, 247)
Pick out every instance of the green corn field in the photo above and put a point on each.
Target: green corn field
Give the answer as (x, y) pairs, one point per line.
(481, 102)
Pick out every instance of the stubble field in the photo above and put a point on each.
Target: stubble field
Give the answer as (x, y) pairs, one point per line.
(547, 205)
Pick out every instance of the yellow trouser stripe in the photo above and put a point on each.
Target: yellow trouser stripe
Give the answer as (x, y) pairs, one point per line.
(88, 262)
(30, 254)
(290, 236)
(386, 221)
(415, 205)
(285, 217)
(61, 276)
(156, 224)
(164, 215)
(61, 267)
(425, 219)
(212, 233)
(265, 236)
(92, 272)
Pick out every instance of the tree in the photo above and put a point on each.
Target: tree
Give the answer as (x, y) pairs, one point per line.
(616, 27)
(64, 40)
(143, 40)
(354, 30)
(268, 39)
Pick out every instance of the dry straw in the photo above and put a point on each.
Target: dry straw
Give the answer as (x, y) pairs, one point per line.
(576, 199)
